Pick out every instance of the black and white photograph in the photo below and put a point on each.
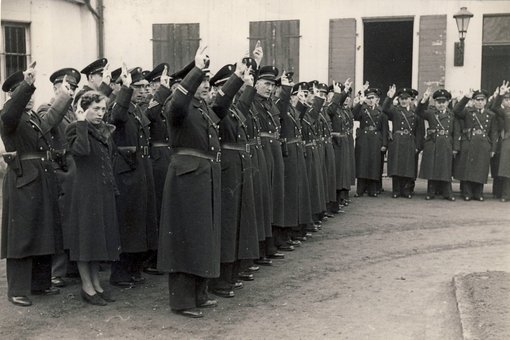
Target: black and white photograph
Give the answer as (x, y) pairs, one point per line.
(273, 169)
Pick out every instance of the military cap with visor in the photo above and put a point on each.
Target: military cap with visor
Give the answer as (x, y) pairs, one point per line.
(13, 81)
(441, 94)
(155, 74)
(96, 66)
(268, 73)
(72, 76)
(222, 75)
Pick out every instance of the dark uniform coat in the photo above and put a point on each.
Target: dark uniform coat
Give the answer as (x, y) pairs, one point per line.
(297, 194)
(313, 163)
(442, 139)
(261, 185)
(371, 135)
(402, 146)
(329, 153)
(159, 148)
(136, 207)
(480, 129)
(269, 114)
(190, 227)
(239, 234)
(503, 115)
(30, 219)
(341, 144)
(93, 226)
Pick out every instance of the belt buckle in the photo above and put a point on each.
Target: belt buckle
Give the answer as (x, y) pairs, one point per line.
(247, 148)
(218, 157)
(441, 132)
(371, 128)
(406, 131)
(145, 150)
(49, 156)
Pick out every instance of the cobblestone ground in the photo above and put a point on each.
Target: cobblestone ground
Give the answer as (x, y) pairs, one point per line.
(382, 270)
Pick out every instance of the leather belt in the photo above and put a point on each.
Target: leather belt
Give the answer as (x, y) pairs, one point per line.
(437, 132)
(293, 140)
(273, 135)
(403, 132)
(43, 156)
(143, 149)
(255, 141)
(198, 153)
(338, 134)
(236, 146)
(312, 143)
(159, 145)
(477, 132)
(369, 128)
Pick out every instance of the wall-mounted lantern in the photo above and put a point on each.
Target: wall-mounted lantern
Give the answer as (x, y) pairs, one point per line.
(462, 18)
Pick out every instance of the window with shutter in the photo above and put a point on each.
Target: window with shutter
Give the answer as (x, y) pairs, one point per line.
(342, 50)
(175, 44)
(432, 52)
(280, 42)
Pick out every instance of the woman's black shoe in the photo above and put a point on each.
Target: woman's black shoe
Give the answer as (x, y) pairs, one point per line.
(106, 295)
(93, 299)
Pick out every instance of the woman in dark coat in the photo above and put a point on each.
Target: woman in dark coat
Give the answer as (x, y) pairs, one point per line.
(94, 230)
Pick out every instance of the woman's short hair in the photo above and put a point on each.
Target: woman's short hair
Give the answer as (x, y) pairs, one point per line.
(90, 97)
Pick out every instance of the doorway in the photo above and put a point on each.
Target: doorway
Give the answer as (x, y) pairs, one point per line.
(388, 53)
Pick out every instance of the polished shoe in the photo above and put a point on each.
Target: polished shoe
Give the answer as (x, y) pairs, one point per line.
(225, 293)
(428, 198)
(93, 299)
(373, 195)
(138, 280)
(106, 295)
(152, 271)
(208, 304)
(503, 200)
(308, 234)
(57, 281)
(123, 284)
(328, 215)
(286, 247)
(467, 198)
(300, 238)
(408, 196)
(246, 276)
(238, 285)
(294, 243)
(253, 268)
(394, 196)
(190, 313)
(358, 195)
(276, 255)
(481, 199)
(21, 301)
(49, 291)
(451, 198)
(263, 261)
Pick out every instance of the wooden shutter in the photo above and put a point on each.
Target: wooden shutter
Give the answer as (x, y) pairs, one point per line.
(280, 42)
(175, 44)
(432, 52)
(342, 50)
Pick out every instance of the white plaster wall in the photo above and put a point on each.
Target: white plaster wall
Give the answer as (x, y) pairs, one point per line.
(62, 34)
(224, 27)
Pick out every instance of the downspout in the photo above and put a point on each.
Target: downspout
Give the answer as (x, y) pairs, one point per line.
(98, 14)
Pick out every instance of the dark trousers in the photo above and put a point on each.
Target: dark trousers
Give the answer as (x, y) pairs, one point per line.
(497, 186)
(227, 278)
(472, 189)
(366, 185)
(281, 236)
(505, 191)
(186, 290)
(28, 273)
(129, 265)
(270, 245)
(443, 188)
(62, 267)
(151, 258)
(401, 185)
